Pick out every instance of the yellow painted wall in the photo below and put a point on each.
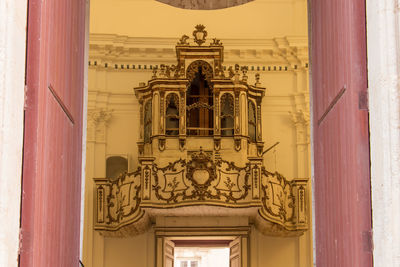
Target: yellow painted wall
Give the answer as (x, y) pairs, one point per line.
(130, 252)
(274, 251)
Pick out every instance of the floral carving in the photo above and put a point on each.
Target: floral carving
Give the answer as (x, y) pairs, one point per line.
(207, 186)
(221, 183)
(194, 67)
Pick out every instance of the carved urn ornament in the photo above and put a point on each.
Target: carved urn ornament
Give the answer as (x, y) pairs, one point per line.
(200, 148)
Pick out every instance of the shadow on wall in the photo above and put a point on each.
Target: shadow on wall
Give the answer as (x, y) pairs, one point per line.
(204, 4)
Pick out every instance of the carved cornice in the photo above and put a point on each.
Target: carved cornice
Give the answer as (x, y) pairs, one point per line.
(274, 54)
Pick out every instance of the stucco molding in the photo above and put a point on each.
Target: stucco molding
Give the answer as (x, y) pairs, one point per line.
(290, 51)
(98, 120)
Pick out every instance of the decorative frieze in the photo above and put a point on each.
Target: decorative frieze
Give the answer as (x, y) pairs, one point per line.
(119, 53)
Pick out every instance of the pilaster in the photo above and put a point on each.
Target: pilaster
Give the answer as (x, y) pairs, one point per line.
(301, 121)
(93, 254)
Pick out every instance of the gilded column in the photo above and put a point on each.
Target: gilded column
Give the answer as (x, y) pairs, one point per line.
(237, 112)
(217, 121)
(182, 120)
(217, 126)
(157, 113)
(237, 132)
(162, 113)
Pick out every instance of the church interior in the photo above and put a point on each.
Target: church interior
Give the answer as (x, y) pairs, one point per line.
(198, 136)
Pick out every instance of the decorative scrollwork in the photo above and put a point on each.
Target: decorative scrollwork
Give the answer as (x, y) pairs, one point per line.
(155, 69)
(199, 34)
(123, 198)
(199, 105)
(218, 69)
(183, 40)
(278, 199)
(167, 72)
(216, 42)
(246, 187)
(172, 166)
(203, 180)
(205, 68)
(201, 171)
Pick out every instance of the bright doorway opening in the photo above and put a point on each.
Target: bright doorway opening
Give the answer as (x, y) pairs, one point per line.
(201, 257)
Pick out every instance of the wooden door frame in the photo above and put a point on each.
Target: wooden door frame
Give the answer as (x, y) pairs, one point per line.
(242, 232)
(341, 154)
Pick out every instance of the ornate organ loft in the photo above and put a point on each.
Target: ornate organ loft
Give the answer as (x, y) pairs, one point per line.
(200, 151)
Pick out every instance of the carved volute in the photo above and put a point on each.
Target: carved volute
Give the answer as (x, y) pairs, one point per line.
(200, 145)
